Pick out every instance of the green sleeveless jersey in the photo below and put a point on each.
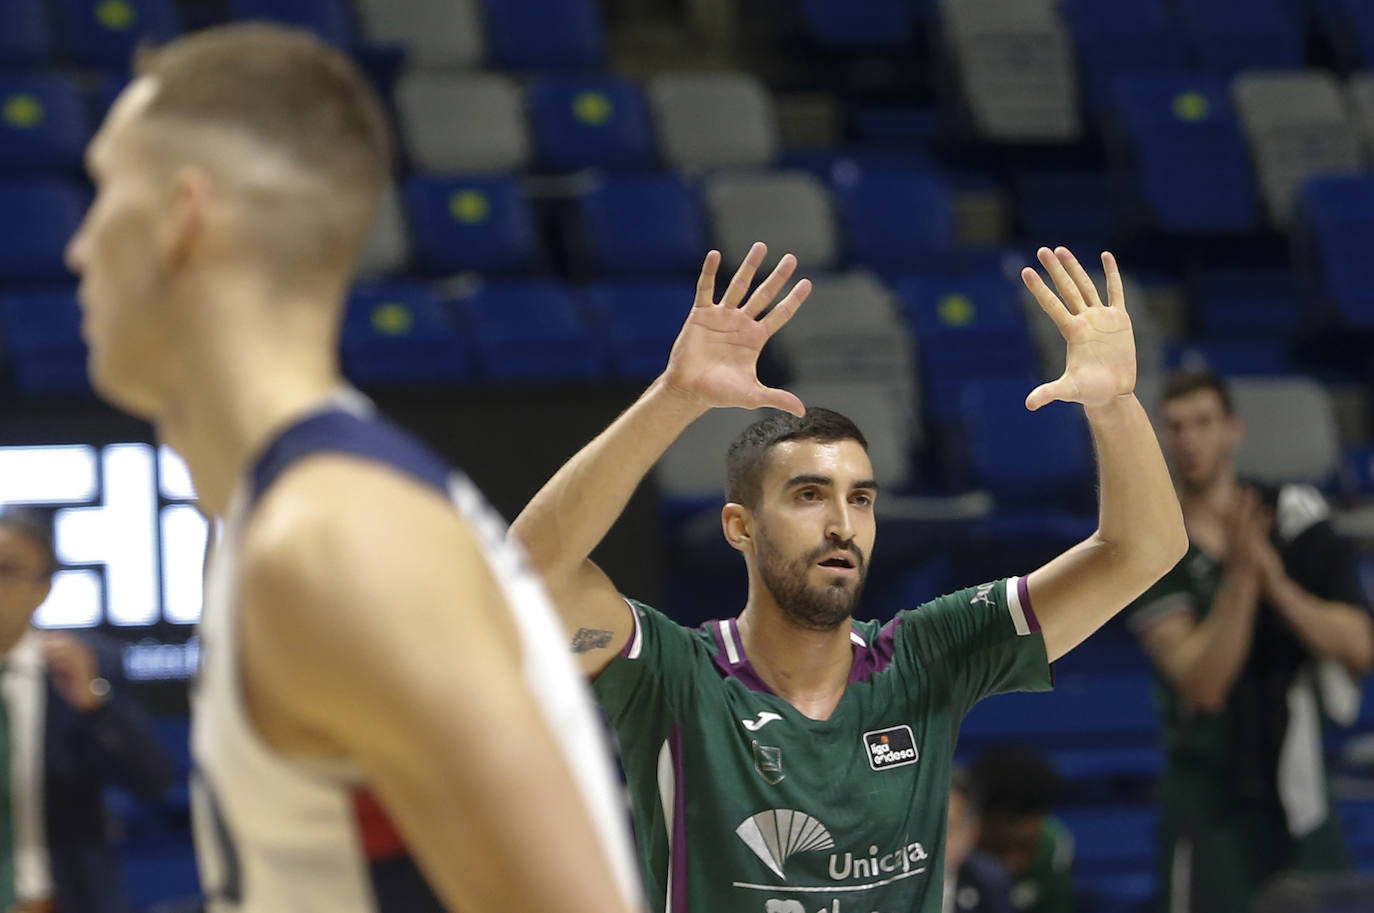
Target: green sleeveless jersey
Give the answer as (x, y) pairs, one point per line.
(744, 805)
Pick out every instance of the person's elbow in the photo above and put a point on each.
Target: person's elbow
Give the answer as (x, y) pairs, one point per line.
(1203, 697)
(1361, 661)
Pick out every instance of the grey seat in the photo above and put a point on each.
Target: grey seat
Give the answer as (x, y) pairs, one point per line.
(879, 412)
(459, 123)
(849, 331)
(1298, 127)
(387, 247)
(694, 466)
(1290, 430)
(1016, 66)
(435, 33)
(713, 120)
(789, 211)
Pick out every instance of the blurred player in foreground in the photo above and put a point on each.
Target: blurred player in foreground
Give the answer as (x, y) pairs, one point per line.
(374, 654)
(790, 759)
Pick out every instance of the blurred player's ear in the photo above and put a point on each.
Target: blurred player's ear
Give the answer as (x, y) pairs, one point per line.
(192, 196)
(738, 525)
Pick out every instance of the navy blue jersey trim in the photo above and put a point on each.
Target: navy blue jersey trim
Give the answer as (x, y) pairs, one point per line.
(342, 432)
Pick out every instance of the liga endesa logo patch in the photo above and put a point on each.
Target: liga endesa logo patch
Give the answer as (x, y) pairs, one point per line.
(888, 748)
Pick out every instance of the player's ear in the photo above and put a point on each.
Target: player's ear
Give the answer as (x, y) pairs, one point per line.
(191, 196)
(738, 525)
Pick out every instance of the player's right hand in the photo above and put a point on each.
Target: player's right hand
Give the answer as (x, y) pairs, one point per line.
(715, 358)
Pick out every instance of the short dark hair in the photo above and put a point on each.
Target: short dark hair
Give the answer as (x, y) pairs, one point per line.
(34, 525)
(748, 454)
(1016, 781)
(1191, 380)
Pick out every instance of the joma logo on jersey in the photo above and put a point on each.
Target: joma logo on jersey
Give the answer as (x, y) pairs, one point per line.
(888, 748)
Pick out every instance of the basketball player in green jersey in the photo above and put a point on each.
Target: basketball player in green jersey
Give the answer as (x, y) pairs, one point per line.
(791, 760)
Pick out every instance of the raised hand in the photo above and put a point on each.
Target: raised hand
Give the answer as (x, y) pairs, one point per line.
(1101, 356)
(715, 358)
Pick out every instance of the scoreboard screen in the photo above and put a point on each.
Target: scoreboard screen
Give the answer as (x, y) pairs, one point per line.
(130, 541)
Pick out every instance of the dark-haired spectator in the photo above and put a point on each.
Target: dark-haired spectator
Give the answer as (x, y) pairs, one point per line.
(1020, 790)
(68, 727)
(1258, 633)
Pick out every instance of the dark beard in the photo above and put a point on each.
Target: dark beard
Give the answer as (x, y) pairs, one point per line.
(817, 608)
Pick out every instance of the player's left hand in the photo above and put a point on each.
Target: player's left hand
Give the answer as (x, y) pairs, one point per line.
(1101, 356)
(72, 669)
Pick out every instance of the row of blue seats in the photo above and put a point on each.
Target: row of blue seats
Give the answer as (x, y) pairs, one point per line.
(576, 122)
(1222, 36)
(641, 224)
(542, 330)
(519, 34)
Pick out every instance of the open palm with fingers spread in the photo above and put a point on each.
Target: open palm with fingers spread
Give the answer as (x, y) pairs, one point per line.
(715, 358)
(1101, 356)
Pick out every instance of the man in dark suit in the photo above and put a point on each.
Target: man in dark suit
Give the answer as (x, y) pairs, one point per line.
(68, 727)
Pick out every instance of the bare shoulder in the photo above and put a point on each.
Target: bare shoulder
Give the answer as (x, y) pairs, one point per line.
(359, 548)
(335, 520)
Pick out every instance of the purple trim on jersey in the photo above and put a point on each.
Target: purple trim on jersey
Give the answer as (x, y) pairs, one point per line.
(743, 669)
(869, 659)
(1024, 594)
(877, 656)
(677, 891)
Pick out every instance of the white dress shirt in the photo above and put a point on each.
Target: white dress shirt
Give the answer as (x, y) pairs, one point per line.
(24, 683)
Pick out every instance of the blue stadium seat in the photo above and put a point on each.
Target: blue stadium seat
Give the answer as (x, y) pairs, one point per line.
(1242, 303)
(24, 36)
(1338, 215)
(1113, 838)
(1075, 206)
(896, 218)
(639, 319)
(1232, 35)
(1195, 170)
(37, 217)
(329, 19)
(1020, 456)
(1098, 711)
(966, 328)
(531, 330)
(591, 122)
(1352, 27)
(104, 33)
(544, 34)
(1125, 36)
(643, 224)
(845, 24)
(398, 332)
(1233, 357)
(43, 331)
(42, 124)
(461, 224)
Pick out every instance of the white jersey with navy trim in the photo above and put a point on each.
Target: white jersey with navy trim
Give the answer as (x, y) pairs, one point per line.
(275, 835)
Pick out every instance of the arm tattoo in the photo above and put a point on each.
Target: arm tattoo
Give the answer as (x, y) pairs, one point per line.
(588, 639)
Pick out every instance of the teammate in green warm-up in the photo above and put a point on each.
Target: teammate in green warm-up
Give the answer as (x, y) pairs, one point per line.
(1257, 636)
(790, 759)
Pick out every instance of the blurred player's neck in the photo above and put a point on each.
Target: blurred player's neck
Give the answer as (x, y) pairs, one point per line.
(251, 375)
(1213, 496)
(807, 668)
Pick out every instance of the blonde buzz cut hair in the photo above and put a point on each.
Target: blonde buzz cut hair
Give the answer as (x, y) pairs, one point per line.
(290, 125)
